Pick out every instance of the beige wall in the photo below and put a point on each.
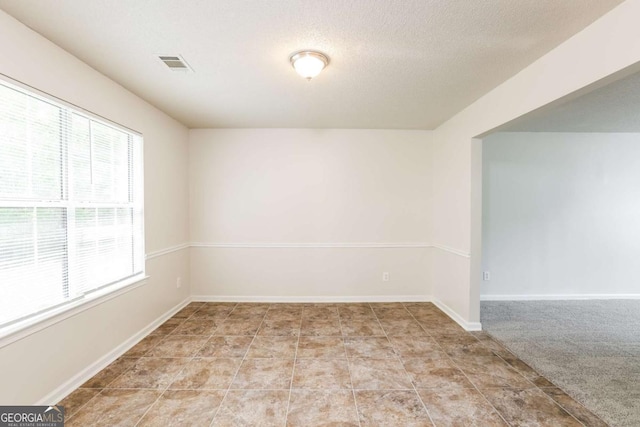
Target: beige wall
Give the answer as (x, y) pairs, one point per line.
(37, 365)
(305, 188)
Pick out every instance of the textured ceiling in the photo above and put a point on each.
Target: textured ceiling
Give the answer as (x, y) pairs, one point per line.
(394, 64)
(613, 108)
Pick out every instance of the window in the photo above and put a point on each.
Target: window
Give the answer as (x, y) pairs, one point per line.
(71, 218)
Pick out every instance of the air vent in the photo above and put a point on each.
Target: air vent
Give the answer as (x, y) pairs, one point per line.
(175, 63)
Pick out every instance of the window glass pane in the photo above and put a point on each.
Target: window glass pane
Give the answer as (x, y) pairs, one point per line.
(104, 248)
(110, 150)
(70, 204)
(32, 260)
(80, 159)
(30, 147)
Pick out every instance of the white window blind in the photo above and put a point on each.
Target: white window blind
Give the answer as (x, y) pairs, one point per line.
(71, 217)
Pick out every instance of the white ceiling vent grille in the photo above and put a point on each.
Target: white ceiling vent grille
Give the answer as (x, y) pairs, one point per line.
(175, 63)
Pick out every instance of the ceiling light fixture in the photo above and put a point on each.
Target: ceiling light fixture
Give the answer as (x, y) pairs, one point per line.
(309, 63)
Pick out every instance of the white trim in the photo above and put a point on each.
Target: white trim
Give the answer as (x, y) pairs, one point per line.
(554, 297)
(311, 299)
(31, 325)
(166, 251)
(81, 377)
(309, 245)
(452, 251)
(469, 326)
(49, 98)
(330, 245)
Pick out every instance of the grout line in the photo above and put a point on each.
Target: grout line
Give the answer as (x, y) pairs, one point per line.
(348, 360)
(293, 371)
(158, 343)
(463, 372)
(402, 363)
(185, 366)
(239, 366)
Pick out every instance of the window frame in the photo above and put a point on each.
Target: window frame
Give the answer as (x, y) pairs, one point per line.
(19, 328)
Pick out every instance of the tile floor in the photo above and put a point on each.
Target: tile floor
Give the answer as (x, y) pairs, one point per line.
(382, 364)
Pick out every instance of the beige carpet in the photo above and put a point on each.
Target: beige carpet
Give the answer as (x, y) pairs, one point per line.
(589, 348)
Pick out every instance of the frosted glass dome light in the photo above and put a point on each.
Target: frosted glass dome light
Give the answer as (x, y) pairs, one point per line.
(308, 63)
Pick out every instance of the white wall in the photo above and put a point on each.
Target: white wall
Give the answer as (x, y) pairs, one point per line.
(36, 366)
(607, 50)
(308, 189)
(560, 214)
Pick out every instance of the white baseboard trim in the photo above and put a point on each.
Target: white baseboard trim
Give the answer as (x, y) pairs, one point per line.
(81, 377)
(469, 326)
(311, 299)
(557, 297)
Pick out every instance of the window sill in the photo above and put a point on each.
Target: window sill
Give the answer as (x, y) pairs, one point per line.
(30, 326)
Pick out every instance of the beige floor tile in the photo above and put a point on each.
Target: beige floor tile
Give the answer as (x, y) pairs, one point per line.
(280, 328)
(408, 347)
(321, 374)
(284, 312)
(225, 347)
(355, 310)
(264, 374)
(150, 372)
(254, 310)
(248, 408)
(530, 407)
(392, 313)
(114, 408)
(196, 327)
(408, 327)
(312, 327)
(361, 328)
(187, 311)
(273, 347)
(391, 409)
(183, 408)
(261, 353)
(322, 408)
(213, 312)
(110, 373)
(168, 326)
(279, 315)
(373, 347)
(321, 348)
(207, 373)
(439, 373)
(77, 399)
(178, 346)
(239, 327)
(378, 374)
(460, 408)
(144, 346)
(311, 313)
(491, 371)
(573, 407)
(460, 345)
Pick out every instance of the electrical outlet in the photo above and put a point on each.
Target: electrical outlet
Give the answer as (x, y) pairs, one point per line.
(385, 276)
(179, 282)
(486, 276)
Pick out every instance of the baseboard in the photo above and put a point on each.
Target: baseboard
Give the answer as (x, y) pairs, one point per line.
(311, 299)
(469, 326)
(554, 297)
(81, 377)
